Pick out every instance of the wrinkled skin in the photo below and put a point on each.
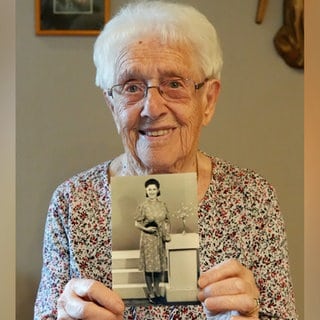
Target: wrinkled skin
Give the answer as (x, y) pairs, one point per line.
(162, 137)
(176, 126)
(229, 286)
(89, 299)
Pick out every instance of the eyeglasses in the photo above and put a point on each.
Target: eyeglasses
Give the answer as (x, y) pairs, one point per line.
(173, 89)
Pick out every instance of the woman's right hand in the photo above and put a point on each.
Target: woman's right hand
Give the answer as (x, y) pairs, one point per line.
(151, 229)
(87, 299)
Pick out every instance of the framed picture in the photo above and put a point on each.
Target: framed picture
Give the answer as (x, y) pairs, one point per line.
(71, 17)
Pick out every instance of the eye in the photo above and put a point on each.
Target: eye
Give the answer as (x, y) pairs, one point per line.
(175, 83)
(133, 87)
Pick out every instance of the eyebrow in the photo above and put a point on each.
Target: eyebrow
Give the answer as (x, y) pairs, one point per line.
(135, 74)
(128, 76)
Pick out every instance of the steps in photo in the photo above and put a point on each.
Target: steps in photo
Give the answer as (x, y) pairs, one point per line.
(127, 280)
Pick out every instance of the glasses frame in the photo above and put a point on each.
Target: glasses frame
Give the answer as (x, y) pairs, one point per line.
(197, 86)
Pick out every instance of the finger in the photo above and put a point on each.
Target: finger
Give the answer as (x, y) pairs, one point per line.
(96, 292)
(244, 304)
(244, 318)
(62, 315)
(230, 286)
(78, 308)
(73, 306)
(91, 311)
(227, 269)
(61, 312)
(221, 316)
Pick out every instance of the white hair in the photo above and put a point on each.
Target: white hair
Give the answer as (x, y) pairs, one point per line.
(170, 22)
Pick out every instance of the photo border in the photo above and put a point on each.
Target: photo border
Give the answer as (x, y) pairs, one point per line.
(178, 191)
(62, 32)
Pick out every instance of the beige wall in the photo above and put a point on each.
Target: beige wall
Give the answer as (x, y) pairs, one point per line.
(7, 161)
(312, 162)
(63, 126)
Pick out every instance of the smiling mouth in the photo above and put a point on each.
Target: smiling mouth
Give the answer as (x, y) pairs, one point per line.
(156, 133)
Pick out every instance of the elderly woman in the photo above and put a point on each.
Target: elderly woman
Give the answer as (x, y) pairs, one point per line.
(159, 67)
(153, 221)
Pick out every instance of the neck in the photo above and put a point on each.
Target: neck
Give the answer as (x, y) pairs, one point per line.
(125, 165)
(199, 163)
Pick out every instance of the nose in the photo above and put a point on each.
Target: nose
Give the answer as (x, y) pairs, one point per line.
(152, 87)
(153, 103)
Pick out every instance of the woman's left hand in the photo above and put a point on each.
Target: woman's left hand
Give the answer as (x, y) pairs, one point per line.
(230, 286)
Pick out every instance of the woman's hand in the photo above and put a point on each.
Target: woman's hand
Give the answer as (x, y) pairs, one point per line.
(229, 286)
(151, 230)
(88, 299)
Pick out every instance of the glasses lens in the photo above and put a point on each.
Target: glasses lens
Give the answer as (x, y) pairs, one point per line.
(176, 88)
(130, 91)
(172, 89)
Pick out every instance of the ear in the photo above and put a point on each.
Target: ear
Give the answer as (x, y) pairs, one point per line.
(108, 100)
(211, 98)
(110, 105)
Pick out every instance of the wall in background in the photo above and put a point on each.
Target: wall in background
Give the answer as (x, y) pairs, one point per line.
(7, 160)
(63, 126)
(312, 162)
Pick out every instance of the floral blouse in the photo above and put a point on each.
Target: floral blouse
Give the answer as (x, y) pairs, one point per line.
(238, 217)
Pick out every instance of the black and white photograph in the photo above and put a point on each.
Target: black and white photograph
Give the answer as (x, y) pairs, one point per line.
(154, 232)
(72, 6)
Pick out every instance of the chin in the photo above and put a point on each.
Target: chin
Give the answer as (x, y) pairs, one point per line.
(154, 164)
(160, 158)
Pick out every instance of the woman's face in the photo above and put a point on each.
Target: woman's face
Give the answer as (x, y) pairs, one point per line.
(152, 191)
(160, 135)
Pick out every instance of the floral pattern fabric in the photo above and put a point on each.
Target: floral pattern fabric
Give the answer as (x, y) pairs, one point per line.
(239, 217)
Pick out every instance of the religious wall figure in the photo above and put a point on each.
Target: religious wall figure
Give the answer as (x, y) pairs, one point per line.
(289, 40)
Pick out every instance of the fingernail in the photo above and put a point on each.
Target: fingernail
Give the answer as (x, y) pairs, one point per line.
(202, 282)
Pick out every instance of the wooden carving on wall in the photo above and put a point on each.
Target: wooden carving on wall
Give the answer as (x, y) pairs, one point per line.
(261, 10)
(289, 40)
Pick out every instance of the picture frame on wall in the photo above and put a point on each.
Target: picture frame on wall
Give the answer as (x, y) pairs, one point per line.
(71, 17)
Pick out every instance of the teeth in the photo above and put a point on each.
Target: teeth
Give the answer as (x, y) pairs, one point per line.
(157, 133)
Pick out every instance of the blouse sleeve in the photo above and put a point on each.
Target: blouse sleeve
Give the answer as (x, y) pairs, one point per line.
(271, 261)
(139, 216)
(55, 268)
